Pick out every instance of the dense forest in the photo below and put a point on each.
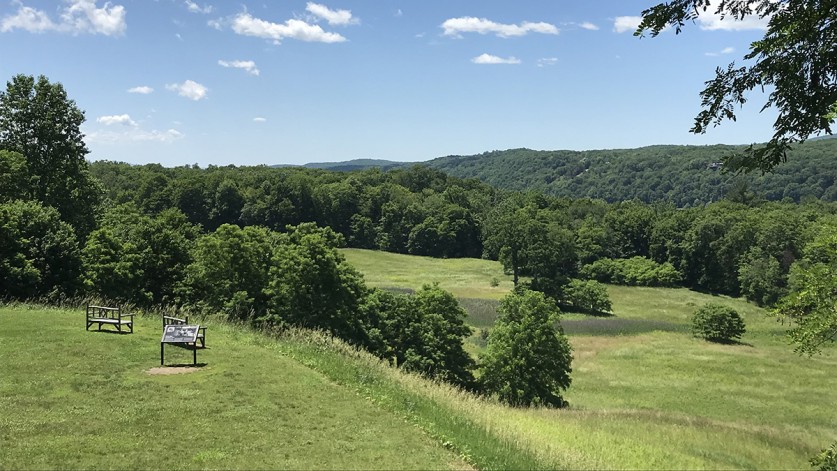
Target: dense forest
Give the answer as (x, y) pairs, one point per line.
(682, 175)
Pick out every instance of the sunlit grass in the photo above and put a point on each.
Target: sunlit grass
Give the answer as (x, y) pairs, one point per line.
(464, 277)
(646, 394)
(72, 399)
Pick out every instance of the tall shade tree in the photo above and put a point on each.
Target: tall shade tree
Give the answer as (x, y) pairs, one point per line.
(527, 359)
(795, 59)
(39, 253)
(39, 121)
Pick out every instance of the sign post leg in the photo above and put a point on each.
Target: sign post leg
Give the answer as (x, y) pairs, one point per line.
(162, 346)
(195, 355)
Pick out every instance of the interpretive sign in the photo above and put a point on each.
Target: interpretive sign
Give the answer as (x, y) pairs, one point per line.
(180, 333)
(183, 335)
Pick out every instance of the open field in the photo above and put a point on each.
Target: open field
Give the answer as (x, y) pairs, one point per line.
(464, 277)
(646, 394)
(73, 399)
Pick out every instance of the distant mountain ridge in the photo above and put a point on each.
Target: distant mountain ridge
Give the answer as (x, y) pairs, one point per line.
(682, 175)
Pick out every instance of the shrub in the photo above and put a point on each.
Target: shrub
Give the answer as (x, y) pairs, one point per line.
(826, 460)
(590, 296)
(717, 323)
(635, 271)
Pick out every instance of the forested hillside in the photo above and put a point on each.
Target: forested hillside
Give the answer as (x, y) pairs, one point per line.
(684, 175)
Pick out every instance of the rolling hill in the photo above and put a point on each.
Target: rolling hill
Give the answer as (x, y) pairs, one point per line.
(682, 175)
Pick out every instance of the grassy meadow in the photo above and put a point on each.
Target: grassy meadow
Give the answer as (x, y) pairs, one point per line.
(645, 393)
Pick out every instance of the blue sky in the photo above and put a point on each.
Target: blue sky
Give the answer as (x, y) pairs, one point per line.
(267, 82)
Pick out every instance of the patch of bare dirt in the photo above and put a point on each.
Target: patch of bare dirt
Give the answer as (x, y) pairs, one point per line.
(171, 370)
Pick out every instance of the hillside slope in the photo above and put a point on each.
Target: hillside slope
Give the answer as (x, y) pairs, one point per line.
(73, 399)
(683, 175)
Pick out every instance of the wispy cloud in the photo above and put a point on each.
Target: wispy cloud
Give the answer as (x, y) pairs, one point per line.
(490, 59)
(588, 26)
(195, 8)
(134, 134)
(77, 17)
(248, 66)
(189, 89)
(456, 26)
(247, 25)
(333, 17)
(726, 50)
(142, 90)
(123, 119)
(259, 119)
(547, 61)
(624, 24)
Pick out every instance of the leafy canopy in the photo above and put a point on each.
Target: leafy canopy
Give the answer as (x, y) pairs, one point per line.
(795, 59)
(527, 359)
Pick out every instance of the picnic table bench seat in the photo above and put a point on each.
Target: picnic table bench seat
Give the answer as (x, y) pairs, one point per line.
(114, 316)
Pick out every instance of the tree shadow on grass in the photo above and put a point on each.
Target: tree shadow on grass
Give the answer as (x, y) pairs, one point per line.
(730, 342)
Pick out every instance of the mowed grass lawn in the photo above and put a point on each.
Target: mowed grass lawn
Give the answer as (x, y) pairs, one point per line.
(72, 399)
(646, 394)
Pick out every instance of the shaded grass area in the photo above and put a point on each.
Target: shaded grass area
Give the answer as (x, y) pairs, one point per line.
(73, 399)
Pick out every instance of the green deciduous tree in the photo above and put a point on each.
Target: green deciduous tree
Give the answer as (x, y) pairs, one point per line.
(40, 122)
(311, 285)
(422, 333)
(39, 253)
(810, 305)
(230, 271)
(795, 60)
(527, 359)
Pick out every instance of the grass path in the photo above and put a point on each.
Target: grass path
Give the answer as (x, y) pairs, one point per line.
(72, 399)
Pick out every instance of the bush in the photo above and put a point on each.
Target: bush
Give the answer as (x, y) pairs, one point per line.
(589, 296)
(826, 460)
(635, 271)
(717, 323)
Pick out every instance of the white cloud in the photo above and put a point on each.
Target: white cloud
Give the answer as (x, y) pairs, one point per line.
(489, 59)
(713, 22)
(142, 90)
(79, 16)
(189, 89)
(134, 135)
(247, 25)
(547, 61)
(589, 26)
(259, 119)
(122, 119)
(195, 8)
(726, 50)
(623, 24)
(248, 66)
(455, 26)
(333, 17)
